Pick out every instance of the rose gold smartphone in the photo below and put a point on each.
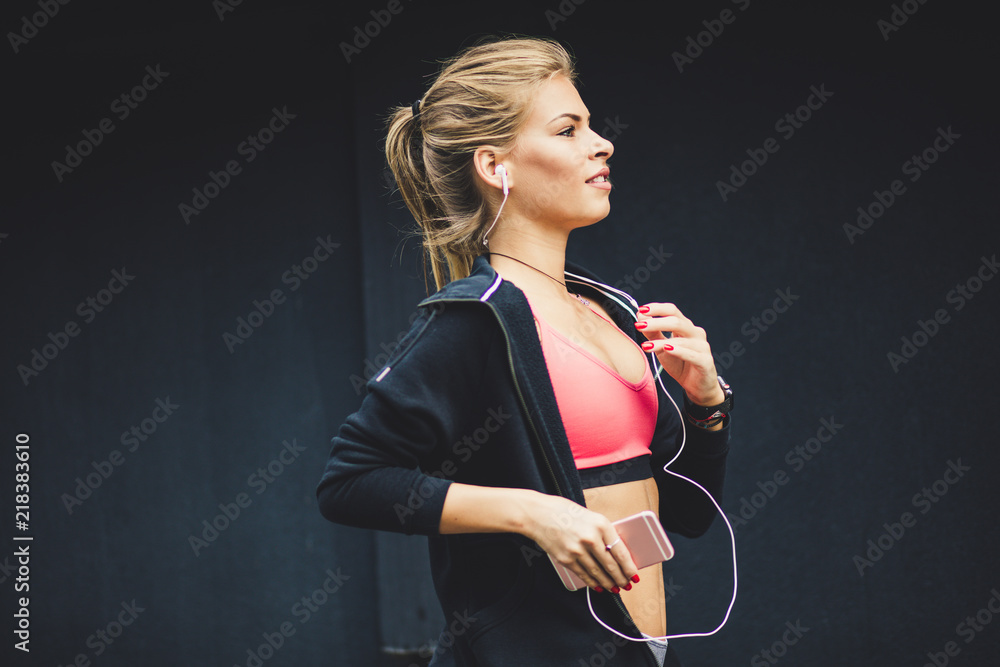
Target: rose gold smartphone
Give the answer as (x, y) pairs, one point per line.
(645, 539)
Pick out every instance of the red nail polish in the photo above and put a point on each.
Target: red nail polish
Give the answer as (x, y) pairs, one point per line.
(598, 589)
(616, 590)
(628, 587)
(668, 347)
(641, 325)
(635, 578)
(644, 309)
(647, 345)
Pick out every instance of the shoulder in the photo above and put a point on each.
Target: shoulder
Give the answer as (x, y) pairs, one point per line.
(477, 286)
(447, 327)
(446, 341)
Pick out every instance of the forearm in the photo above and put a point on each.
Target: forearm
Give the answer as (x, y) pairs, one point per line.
(486, 509)
(570, 533)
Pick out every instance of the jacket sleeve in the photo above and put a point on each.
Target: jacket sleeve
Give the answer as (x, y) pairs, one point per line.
(374, 478)
(684, 508)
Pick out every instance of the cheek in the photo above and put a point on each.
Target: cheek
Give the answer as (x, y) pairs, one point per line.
(549, 189)
(556, 176)
(563, 168)
(552, 180)
(554, 167)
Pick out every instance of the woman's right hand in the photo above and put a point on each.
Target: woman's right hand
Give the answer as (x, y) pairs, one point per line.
(577, 537)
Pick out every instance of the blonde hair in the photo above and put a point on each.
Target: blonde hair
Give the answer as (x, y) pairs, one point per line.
(482, 96)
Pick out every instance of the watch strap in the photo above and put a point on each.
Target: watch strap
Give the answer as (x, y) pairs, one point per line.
(704, 413)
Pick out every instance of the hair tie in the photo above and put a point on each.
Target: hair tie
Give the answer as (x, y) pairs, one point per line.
(416, 109)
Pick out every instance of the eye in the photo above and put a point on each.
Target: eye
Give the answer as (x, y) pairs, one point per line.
(568, 132)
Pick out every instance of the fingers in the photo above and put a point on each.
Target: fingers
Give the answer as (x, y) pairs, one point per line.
(610, 569)
(660, 318)
(578, 538)
(686, 355)
(659, 310)
(623, 560)
(593, 574)
(684, 349)
(689, 361)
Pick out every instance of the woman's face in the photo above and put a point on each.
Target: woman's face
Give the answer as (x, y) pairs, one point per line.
(558, 167)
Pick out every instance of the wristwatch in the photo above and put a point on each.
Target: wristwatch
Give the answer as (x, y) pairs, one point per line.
(705, 413)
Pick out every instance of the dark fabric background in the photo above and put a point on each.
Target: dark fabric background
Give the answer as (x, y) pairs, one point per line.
(805, 523)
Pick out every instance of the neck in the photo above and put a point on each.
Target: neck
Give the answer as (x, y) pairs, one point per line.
(543, 250)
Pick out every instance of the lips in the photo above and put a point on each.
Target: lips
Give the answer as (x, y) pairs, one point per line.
(600, 177)
(600, 180)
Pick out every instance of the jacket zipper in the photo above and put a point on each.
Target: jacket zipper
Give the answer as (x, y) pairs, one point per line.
(621, 605)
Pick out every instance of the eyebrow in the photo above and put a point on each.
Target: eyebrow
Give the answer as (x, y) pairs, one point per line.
(568, 115)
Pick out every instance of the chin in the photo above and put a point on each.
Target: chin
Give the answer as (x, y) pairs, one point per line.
(593, 220)
(604, 212)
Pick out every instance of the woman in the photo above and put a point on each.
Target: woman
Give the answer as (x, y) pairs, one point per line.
(519, 418)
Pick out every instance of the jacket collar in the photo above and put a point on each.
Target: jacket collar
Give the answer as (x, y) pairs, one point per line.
(475, 286)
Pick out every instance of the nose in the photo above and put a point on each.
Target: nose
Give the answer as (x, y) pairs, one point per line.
(603, 148)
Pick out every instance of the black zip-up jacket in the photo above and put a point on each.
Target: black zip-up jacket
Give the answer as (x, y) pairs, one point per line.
(466, 397)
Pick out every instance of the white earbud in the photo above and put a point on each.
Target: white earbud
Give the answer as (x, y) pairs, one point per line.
(502, 170)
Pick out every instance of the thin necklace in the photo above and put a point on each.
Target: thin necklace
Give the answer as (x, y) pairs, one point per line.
(580, 298)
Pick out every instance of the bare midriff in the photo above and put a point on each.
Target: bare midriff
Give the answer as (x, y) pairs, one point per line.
(645, 602)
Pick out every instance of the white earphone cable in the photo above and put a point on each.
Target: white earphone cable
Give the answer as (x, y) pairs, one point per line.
(503, 177)
(634, 312)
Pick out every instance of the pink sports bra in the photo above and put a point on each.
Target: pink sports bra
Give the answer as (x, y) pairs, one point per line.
(607, 418)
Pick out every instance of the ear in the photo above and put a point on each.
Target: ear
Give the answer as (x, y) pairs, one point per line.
(485, 161)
